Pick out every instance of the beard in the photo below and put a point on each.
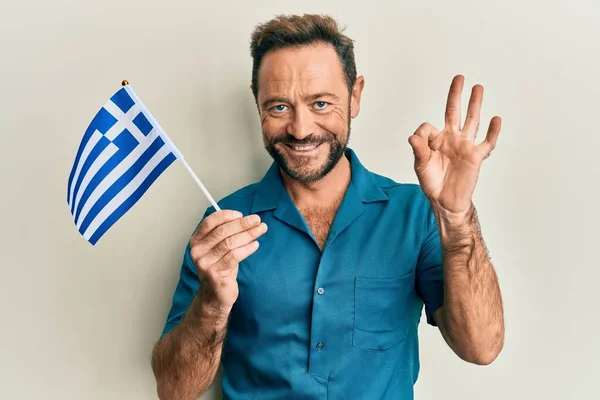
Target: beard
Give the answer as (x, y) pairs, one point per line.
(299, 172)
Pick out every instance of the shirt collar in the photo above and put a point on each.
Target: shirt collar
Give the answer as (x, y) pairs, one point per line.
(270, 189)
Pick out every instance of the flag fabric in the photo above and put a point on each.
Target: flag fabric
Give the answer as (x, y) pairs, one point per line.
(123, 151)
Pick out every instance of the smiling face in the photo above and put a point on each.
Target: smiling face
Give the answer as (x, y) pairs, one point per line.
(305, 109)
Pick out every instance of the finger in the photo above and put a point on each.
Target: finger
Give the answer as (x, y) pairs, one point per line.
(491, 138)
(452, 115)
(222, 232)
(233, 242)
(421, 151)
(420, 143)
(235, 256)
(212, 221)
(473, 113)
(427, 131)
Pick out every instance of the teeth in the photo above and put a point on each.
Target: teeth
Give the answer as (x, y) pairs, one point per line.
(303, 148)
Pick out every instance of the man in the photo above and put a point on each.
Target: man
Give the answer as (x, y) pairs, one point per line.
(329, 305)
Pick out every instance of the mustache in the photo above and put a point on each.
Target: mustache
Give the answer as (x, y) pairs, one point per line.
(291, 140)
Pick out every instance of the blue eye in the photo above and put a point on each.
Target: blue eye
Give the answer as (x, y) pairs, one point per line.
(321, 105)
(279, 108)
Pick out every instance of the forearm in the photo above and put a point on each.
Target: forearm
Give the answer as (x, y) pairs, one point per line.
(186, 360)
(472, 314)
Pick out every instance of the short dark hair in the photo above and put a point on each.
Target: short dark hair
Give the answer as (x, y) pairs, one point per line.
(297, 31)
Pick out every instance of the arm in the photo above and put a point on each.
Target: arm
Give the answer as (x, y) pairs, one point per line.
(447, 164)
(472, 319)
(185, 361)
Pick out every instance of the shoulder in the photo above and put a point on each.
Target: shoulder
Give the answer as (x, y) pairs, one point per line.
(406, 201)
(410, 193)
(240, 200)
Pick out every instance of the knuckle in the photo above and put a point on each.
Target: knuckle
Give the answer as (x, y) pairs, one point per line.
(195, 253)
(202, 264)
(208, 224)
(221, 231)
(229, 243)
(219, 249)
(208, 221)
(252, 233)
(423, 126)
(230, 260)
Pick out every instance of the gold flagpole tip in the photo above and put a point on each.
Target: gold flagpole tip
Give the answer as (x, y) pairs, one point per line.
(125, 82)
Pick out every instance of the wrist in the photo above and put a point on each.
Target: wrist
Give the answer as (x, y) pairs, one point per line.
(453, 220)
(212, 305)
(457, 231)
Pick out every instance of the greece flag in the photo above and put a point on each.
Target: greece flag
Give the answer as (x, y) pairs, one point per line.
(123, 151)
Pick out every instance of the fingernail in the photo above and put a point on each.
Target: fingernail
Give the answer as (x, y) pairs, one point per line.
(255, 219)
(237, 214)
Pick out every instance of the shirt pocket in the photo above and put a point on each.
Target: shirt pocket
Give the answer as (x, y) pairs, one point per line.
(381, 311)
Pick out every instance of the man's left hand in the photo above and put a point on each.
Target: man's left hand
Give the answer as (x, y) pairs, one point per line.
(447, 162)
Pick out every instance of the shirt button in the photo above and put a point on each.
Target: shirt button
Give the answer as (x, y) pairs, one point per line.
(320, 290)
(320, 346)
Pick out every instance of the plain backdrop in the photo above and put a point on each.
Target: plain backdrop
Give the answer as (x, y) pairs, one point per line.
(79, 322)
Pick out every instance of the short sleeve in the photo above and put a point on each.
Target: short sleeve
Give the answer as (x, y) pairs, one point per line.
(430, 272)
(186, 289)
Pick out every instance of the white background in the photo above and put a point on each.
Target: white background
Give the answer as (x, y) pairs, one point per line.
(79, 322)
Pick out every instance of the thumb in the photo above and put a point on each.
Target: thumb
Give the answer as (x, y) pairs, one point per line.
(421, 150)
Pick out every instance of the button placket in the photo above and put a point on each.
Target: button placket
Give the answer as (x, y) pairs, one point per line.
(319, 363)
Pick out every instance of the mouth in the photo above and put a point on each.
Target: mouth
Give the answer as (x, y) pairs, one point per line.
(303, 150)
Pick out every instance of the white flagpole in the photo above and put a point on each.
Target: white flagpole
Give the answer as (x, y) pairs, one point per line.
(208, 196)
(168, 141)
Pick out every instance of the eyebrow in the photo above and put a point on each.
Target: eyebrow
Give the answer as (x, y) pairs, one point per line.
(322, 94)
(275, 99)
(271, 100)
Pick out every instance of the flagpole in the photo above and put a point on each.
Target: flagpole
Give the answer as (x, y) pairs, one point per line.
(169, 142)
(208, 196)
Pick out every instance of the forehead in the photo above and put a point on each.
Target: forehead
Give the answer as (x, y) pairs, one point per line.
(310, 69)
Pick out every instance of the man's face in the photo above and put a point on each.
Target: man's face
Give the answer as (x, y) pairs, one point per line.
(305, 109)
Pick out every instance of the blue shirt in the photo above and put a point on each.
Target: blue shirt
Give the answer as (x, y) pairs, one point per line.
(333, 325)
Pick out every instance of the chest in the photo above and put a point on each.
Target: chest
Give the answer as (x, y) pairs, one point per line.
(291, 291)
(319, 221)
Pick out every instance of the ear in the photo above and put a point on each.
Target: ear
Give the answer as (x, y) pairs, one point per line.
(355, 96)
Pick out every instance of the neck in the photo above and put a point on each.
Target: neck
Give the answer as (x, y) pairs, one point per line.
(323, 193)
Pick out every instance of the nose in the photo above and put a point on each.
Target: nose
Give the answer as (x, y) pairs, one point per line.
(302, 123)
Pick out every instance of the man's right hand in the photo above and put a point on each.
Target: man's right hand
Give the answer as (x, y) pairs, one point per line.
(220, 243)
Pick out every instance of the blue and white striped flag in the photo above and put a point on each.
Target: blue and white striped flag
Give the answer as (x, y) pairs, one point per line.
(123, 151)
